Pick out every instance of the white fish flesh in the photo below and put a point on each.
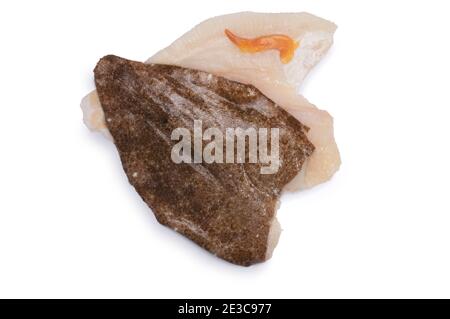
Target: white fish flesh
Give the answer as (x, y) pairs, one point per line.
(206, 48)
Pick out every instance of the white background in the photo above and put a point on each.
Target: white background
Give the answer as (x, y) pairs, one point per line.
(72, 226)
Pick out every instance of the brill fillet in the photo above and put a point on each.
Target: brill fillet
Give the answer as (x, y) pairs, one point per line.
(227, 208)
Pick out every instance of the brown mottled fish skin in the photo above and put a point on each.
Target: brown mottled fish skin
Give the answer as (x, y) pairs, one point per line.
(225, 208)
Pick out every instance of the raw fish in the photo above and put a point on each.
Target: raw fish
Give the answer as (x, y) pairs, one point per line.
(227, 208)
(207, 48)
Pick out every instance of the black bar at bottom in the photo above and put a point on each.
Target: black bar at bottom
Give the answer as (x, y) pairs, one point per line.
(221, 308)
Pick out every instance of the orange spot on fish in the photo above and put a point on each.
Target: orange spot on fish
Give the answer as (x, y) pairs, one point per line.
(283, 43)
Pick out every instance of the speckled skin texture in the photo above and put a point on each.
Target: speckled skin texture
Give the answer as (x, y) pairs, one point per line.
(225, 208)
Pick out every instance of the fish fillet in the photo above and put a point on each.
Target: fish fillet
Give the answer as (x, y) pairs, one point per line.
(206, 48)
(227, 208)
